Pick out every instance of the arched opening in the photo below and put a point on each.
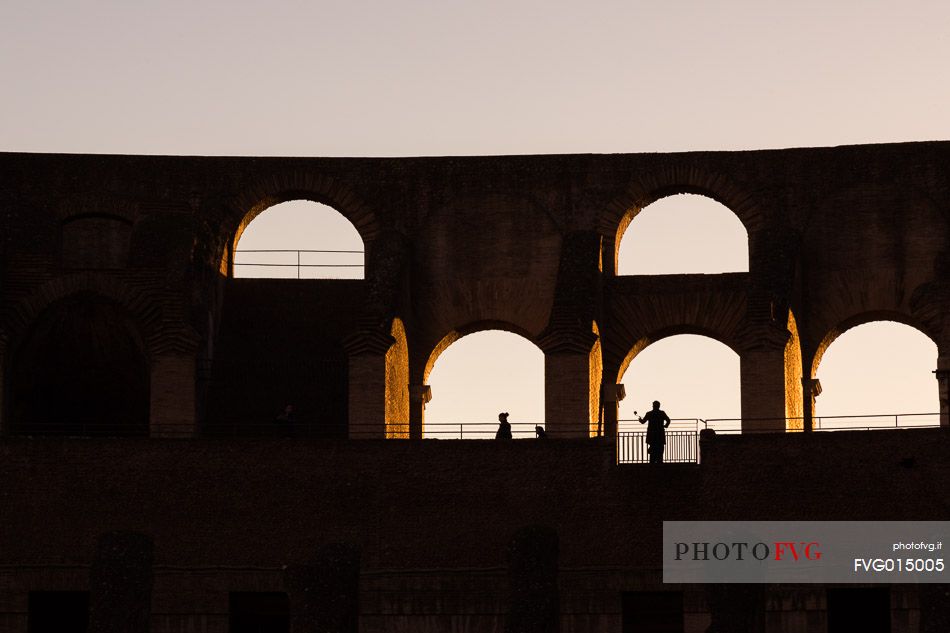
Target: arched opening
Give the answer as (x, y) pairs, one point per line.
(478, 376)
(299, 239)
(876, 375)
(81, 370)
(694, 377)
(680, 234)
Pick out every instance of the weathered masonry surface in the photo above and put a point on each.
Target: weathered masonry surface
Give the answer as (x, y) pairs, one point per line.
(136, 251)
(119, 316)
(434, 522)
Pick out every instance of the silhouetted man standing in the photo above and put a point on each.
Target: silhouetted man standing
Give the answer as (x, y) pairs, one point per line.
(656, 420)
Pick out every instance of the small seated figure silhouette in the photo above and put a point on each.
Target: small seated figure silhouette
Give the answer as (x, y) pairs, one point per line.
(539, 433)
(656, 437)
(504, 428)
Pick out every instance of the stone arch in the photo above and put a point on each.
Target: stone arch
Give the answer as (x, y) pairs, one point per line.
(300, 239)
(145, 309)
(77, 206)
(886, 266)
(710, 365)
(168, 343)
(682, 234)
(675, 330)
(471, 328)
(877, 388)
(475, 394)
(861, 319)
(648, 188)
(81, 368)
(295, 185)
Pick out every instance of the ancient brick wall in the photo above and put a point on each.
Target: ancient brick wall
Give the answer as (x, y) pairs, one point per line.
(432, 519)
(837, 236)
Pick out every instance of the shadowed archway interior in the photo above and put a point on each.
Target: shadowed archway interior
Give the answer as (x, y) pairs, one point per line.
(81, 370)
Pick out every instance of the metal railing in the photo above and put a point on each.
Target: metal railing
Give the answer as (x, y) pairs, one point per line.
(633, 425)
(867, 422)
(682, 436)
(298, 429)
(298, 262)
(682, 441)
(681, 447)
(477, 430)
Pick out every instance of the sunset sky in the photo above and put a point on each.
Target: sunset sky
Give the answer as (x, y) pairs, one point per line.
(441, 78)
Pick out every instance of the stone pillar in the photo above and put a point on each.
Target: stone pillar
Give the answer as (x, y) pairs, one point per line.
(612, 395)
(173, 407)
(943, 390)
(573, 362)
(378, 331)
(533, 605)
(569, 401)
(811, 389)
(379, 401)
(762, 377)
(324, 593)
(120, 584)
(419, 397)
(366, 403)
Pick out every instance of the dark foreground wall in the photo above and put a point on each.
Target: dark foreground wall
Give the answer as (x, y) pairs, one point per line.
(432, 520)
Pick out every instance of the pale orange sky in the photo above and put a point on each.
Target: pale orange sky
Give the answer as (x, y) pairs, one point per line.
(418, 77)
(422, 77)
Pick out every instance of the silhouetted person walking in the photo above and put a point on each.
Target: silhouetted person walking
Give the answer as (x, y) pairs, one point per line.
(504, 429)
(539, 433)
(656, 420)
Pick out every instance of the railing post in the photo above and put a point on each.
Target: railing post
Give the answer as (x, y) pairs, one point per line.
(298, 264)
